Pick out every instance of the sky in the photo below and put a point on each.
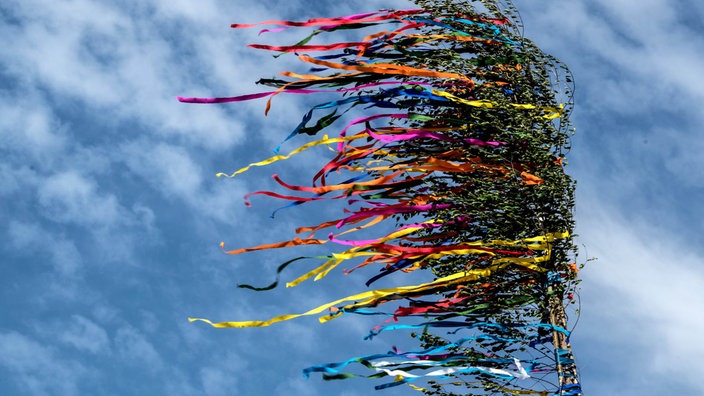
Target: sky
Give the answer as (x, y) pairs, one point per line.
(112, 217)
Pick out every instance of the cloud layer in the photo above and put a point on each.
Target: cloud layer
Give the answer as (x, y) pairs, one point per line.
(113, 214)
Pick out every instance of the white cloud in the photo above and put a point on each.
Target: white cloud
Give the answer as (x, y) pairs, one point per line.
(149, 322)
(168, 167)
(202, 12)
(217, 381)
(84, 335)
(634, 64)
(136, 350)
(124, 62)
(678, 148)
(47, 51)
(69, 197)
(65, 257)
(297, 386)
(643, 54)
(146, 217)
(30, 127)
(178, 383)
(12, 179)
(654, 281)
(119, 64)
(174, 173)
(36, 369)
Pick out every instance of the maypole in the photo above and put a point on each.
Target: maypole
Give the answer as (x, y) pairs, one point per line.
(454, 128)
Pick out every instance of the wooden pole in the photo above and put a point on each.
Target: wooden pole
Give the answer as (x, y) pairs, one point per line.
(566, 368)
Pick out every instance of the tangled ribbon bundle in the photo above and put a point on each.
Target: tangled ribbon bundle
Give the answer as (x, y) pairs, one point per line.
(458, 139)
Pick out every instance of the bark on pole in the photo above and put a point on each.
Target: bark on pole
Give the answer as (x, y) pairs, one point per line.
(566, 368)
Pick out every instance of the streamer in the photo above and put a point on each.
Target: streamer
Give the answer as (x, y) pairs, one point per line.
(447, 128)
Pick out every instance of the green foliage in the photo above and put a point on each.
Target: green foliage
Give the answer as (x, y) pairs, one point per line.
(511, 72)
(500, 107)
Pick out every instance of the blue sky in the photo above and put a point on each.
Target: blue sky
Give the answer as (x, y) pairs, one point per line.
(112, 215)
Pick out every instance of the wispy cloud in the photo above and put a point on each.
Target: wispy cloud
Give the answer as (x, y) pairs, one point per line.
(36, 369)
(63, 254)
(640, 300)
(135, 349)
(68, 197)
(119, 64)
(85, 335)
(112, 214)
(637, 83)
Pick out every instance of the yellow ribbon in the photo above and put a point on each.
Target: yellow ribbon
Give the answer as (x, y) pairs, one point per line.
(534, 243)
(361, 298)
(552, 111)
(369, 297)
(324, 140)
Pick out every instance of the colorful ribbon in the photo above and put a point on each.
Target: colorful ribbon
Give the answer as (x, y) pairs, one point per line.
(446, 125)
